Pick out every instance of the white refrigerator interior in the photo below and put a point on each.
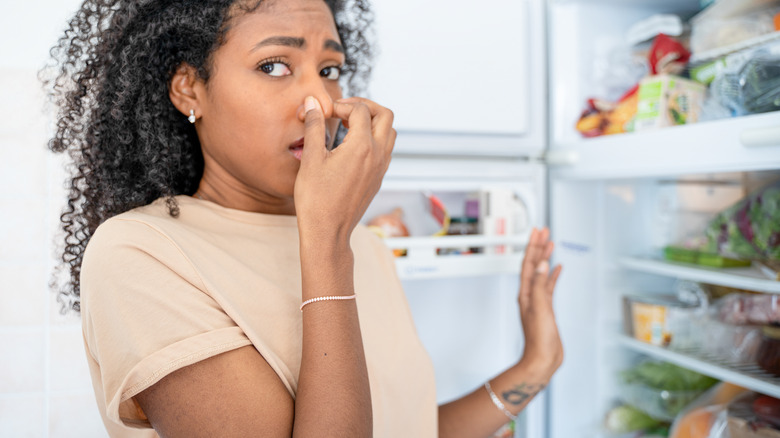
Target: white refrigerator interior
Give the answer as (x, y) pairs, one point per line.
(462, 289)
(612, 202)
(622, 198)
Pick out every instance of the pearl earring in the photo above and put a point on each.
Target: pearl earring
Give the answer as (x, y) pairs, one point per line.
(192, 118)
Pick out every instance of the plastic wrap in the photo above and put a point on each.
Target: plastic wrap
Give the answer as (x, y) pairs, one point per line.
(661, 390)
(707, 416)
(730, 343)
(716, 32)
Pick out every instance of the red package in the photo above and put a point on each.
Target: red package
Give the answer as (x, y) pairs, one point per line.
(667, 55)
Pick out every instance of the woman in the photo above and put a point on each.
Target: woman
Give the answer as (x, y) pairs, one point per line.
(227, 288)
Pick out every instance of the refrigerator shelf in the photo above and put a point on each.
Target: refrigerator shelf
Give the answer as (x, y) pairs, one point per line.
(743, 278)
(749, 376)
(745, 143)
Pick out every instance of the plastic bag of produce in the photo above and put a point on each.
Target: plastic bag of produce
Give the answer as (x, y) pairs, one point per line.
(750, 228)
(660, 389)
(706, 416)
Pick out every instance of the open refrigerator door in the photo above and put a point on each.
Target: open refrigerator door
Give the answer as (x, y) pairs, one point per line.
(460, 266)
(656, 219)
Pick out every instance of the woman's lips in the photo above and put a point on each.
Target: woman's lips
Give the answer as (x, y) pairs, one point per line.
(297, 146)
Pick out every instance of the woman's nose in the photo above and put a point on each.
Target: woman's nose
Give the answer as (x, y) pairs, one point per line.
(323, 96)
(326, 102)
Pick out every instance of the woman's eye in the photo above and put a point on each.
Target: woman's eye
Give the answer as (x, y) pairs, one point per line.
(277, 69)
(332, 73)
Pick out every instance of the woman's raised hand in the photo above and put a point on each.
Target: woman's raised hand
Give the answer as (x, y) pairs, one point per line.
(334, 187)
(543, 347)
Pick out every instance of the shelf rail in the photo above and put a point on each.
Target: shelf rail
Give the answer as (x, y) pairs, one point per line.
(747, 375)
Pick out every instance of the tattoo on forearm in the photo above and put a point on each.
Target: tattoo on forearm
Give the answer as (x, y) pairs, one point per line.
(521, 393)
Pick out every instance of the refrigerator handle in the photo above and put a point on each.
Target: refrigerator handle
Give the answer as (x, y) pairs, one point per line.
(756, 137)
(565, 157)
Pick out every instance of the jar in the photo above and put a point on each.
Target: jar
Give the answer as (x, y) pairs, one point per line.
(460, 226)
(769, 350)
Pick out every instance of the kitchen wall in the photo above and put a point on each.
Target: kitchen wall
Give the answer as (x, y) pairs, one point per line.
(45, 389)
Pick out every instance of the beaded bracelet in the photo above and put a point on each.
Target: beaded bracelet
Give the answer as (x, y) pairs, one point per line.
(328, 298)
(498, 403)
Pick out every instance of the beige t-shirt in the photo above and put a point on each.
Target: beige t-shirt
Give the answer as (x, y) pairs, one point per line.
(159, 293)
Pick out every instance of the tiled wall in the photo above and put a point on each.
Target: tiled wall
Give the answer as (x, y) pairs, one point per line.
(45, 389)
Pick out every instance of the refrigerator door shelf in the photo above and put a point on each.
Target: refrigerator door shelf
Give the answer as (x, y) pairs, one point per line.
(750, 278)
(458, 266)
(749, 376)
(423, 262)
(716, 146)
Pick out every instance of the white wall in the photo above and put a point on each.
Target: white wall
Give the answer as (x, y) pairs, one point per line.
(45, 389)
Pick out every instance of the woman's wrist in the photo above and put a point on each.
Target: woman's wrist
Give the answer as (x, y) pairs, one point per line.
(534, 370)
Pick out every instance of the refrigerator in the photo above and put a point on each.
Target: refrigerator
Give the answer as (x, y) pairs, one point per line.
(486, 99)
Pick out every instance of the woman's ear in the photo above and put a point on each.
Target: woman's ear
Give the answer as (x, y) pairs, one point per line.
(185, 91)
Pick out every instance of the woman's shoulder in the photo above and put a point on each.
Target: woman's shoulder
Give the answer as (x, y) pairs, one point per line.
(156, 215)
(143, 224)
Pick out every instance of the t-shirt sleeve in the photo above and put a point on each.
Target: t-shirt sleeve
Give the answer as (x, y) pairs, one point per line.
(146, 313)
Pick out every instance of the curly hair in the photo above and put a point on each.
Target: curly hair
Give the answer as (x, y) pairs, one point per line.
(128, 144)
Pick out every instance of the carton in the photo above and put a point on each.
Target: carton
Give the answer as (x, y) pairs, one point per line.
(666, 100)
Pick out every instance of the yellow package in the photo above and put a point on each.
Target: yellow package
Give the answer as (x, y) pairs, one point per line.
(649, 321)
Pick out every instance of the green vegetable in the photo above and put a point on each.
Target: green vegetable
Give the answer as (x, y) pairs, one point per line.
(624, 419)
(750, 228)
(662, 390)
(667, 376)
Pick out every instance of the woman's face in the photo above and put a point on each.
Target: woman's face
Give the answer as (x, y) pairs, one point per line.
(251, 121)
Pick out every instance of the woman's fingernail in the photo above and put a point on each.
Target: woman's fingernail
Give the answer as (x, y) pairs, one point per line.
(543, 267)
(309, 104)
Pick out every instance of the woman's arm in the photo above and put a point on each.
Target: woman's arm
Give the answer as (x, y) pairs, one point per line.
(476, 414)
(332, 191)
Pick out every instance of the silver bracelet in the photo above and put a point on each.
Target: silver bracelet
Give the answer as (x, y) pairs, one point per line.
(498, 403)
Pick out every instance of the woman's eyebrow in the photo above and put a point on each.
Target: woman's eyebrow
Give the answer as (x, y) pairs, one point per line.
(295, 42)
(333, 45)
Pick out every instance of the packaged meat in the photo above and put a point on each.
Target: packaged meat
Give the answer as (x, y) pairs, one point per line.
(767, 409)
(769, 350)
(744, 421)
(744, 308)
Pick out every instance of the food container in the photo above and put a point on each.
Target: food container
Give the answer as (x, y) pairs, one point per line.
(769, 350)
(736, 344)
(461, 226)
(661, 320)
(666, 100)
